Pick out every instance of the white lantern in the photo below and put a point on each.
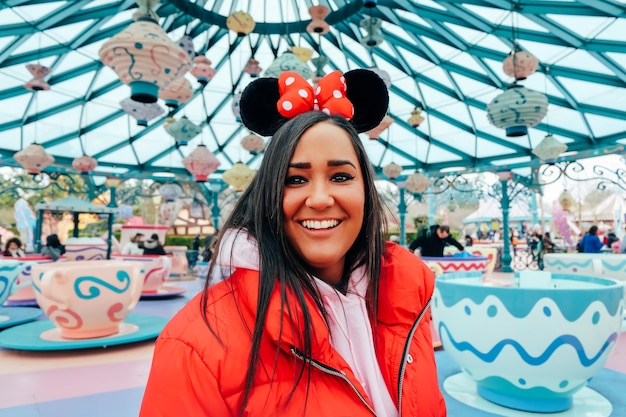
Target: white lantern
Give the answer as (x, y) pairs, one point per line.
(392, 170)
(416, 182)
(517, 109)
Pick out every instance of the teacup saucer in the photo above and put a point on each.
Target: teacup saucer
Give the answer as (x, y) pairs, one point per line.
(43, 335)
(166, 291)
(12, 316)
(27, 302)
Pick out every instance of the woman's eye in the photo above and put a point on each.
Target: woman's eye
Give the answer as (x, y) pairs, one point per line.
(294, 180)
(342, 177)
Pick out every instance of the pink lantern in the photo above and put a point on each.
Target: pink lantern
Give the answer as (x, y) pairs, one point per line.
(239, 176)
(33, 158)
(186, 44)
(202, 69)
(201, 163)
(384, 124)
(520, 64)
(253, 143)
(145, 58)
(84, 164)
(252, 68)
(177, 92)
(39, 72)
(392, 170)
(318, 25)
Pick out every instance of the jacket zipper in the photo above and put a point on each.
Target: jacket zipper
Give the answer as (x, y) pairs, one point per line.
(332, 371)
(405, 353)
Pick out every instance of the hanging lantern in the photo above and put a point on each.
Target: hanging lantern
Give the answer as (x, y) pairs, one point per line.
(202, 69)
(170, 191)
(142, 112)
(176, 93)
(384, 124)
(318, 25)
(319, 63)
(416, 118)
(384, 75)
(239, 176)
(288, 61)
(241, 23)
(112, 182)
(183, 130)
(566, 200)
(520, 64)
(253, 143)
(201, 163)
(84, 164)
(517, 109)
(33, 158)
(235, 106)
(252, 68)
(369, 3)
(131, 55)
(452, 205)
(303, 54)
(372, 26)
(186, 44)
(416, 182)
(39, 72)
(549, 149)
(392, 170)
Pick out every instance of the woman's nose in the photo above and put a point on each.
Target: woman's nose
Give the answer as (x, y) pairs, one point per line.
(320, 196)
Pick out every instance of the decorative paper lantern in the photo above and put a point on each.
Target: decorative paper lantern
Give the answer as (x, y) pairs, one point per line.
(517, 109)
(170, 191)
(241, 23)
(112, 182)
(303, 54)
(382, 74)
(235, 106)
(520, 64)
(202, 69)
(392, 170)
(372, 26)
(384, 124)
(288, 61)
(33, 158)
(201, 163)
(416, 118)
(416, 182)
(252, 68)
(566, 200)
(238, 176)
(318, 25)
(319, 63)
(253, 143)
(186, 44)
(549, 149)
(84, 164)
(369, 3)
(142, 112)
(39, 72)
(177, 92)
(452, 205)
(183, 130)
(144, 57)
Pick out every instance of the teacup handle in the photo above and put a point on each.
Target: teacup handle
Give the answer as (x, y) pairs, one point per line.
(135, 290)
(46, 281)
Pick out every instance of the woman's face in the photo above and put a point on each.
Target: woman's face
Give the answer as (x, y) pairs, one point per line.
(324, 199)
(13, 246)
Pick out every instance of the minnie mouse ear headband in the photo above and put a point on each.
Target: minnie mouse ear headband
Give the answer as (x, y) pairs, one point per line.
(359, 95)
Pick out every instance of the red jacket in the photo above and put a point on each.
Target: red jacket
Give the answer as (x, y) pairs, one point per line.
(194, 375)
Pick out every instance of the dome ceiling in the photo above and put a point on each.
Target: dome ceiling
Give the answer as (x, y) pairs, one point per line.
(444, 57)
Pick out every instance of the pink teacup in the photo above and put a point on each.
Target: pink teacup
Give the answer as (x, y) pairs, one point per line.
(87, 299)
(85, 249)
(156, 269)
(24, 290)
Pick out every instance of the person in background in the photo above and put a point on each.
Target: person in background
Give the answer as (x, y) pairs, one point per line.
(320, 316)
(152, 246)
(195, 243)
(468, 240)
(53, 248)
(132, 246)
(591, 242)
(13, 248)
(434, 243)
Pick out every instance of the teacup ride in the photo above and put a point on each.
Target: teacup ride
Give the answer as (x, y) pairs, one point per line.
(155, 272)
(10, 271)
(24, 295)
(459, 262)
(532, 346)
(88, 304)
(85, 249)
(180, 264)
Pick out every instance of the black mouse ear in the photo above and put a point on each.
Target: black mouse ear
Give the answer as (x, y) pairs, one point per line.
(257, 107)
(368, 94)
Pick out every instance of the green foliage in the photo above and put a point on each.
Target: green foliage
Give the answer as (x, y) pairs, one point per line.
(171, 240)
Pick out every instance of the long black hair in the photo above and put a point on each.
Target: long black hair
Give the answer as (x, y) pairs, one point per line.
(259, 212)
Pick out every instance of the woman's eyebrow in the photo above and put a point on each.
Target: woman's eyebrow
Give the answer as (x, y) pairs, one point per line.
(331, 163)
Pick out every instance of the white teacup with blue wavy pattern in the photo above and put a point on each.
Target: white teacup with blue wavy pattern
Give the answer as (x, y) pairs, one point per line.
(87, 299)
(10, 270)
(530, 349)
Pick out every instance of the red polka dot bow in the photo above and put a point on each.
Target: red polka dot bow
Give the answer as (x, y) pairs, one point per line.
(297, 95)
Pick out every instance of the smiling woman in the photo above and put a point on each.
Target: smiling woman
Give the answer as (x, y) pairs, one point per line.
(317, 313)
